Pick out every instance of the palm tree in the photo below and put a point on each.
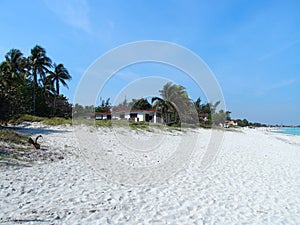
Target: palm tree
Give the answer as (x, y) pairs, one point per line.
(40, 64)
(48, 90)
(179, 105)
(13, 62)
(12, 80)
(166, 108)
(15, 65)
(60, 75)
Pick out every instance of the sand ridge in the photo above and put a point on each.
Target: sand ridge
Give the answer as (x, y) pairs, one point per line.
(253, 180)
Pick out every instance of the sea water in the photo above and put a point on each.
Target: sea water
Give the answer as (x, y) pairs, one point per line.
(289, 130)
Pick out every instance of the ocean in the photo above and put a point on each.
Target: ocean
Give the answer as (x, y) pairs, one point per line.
(289, 130)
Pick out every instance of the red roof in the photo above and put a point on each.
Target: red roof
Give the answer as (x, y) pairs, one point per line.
(102, 113)
(203, 114)
(137, 111)
(125, 111)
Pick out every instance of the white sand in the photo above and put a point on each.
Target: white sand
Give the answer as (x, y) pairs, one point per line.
(255, 179)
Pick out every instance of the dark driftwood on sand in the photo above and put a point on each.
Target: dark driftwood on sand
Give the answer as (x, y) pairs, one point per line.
(35, 143)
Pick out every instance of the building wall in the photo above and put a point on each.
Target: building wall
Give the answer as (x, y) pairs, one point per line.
(141, 116)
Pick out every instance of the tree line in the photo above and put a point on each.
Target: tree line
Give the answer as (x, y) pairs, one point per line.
(174, 104)
(31, 85)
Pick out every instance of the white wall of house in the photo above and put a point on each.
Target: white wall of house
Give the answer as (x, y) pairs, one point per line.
(118, 116)
(127, 115)
(141, 116)
(101, 117)
(115, 117)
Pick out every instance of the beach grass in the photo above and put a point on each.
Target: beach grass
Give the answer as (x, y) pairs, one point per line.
(10, 136)
(141, 125)
(48, 121)
(19, 141)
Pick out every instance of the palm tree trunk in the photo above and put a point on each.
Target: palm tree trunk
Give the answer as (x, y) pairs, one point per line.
(34, 100)
(55, 97)
(54, 106)
(34, 92)
(57, 87)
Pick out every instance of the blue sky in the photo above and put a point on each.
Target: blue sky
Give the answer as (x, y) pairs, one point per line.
(252, 47)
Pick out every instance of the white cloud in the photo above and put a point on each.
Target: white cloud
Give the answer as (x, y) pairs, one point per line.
(71, 12)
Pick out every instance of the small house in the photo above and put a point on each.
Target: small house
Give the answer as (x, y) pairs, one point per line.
(153, 116)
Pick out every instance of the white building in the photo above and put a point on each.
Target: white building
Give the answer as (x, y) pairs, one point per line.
(153, 116)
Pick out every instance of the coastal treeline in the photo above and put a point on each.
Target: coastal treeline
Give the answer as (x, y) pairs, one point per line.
(31, 85)
(174, 104)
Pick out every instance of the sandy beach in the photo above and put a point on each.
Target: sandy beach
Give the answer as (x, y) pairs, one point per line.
(254, 179)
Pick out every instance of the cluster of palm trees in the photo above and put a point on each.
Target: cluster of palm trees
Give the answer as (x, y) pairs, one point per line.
(175, 106)
(31, 84)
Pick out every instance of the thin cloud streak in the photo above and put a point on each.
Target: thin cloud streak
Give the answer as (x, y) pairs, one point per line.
(278, 51)
(267, 88)
(72, 12)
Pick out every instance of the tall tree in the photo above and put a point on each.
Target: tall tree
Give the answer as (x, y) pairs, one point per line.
(183, 109)
(40, 64)
(15, 66)
(24, 80)
(13, 86)
(104, 106)
(13, 61)
(228, 117)
(141, 104)
(166, 108)
(197, 104)
(59, 76)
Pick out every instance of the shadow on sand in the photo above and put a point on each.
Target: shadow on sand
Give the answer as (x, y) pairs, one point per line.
(19, 221)
(26, 129)
(15, 165)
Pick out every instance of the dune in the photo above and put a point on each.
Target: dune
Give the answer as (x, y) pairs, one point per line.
(253, 178)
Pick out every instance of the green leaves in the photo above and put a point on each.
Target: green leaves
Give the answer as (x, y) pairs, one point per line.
(59, 75)
(27, 80)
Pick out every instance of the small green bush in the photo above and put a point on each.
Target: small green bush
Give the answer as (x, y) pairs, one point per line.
(11, 136)
(25, 118)
(103, 123)
(48, 121)
(57, 121)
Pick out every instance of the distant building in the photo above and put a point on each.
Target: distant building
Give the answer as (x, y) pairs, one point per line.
(230, 123)
(203, 117)
(103, 115)
(150, 115)
(153, 116)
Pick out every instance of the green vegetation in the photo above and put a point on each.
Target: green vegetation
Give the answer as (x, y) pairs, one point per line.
(30, 91)
(174, 106)
(219, 118)
(104, 106)
(103, 123)
(48, 121)
(57, 121)
(11, 136)
(139, 125)
(242, 123)
(28, 85)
